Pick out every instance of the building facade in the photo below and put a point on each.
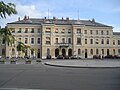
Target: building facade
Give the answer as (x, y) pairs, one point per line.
(84, 38)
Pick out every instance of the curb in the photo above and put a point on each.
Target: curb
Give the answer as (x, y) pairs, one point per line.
(76, 66)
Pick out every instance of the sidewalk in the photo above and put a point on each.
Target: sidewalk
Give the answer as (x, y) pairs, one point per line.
(85, 63)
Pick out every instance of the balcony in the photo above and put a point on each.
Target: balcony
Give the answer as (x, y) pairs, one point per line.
(64, 45)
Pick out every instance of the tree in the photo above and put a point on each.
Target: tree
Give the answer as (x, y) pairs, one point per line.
(7, 9)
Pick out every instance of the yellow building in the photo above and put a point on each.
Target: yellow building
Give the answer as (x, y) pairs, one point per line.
(84, 38)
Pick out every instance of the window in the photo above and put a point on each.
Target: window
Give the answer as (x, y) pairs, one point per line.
(108, 52)
(26, 40)
(56, 40)
(63, 31)
(85, 31)
(26, 30)
(119, 51)
(69, 40)
(69, 30)
(19, 31)
(113, 42)
(13, 31)
(102, 41)
(48, 51)
(97, 32)
(3, 51)
(107, 32)
(91, 32)
(118, 42)
(107, 41)
(102, 51)
(101, 32)
(48, 30)
(19, 39)
(32, 31)
(91, 51)
(78, 30)
(38, 30)
(85, 41)
(79, 41)
(38, 40)
(97, 41)
(47, 40)
(113, 51)
(3, 41)
(56, 30)
(32, 40)
(63, 40)
(97, 51)
(79, 51)
(91, 41)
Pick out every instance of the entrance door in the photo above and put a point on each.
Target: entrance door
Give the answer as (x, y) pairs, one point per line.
(63, 52)
(85, 53)
(70, 52)
(56, 52)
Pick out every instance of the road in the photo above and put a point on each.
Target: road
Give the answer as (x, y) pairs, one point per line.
(39, 76)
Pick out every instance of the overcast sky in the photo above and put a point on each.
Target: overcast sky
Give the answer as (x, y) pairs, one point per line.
(103, 11)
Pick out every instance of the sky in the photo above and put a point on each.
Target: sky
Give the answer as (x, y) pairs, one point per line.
(103, 11)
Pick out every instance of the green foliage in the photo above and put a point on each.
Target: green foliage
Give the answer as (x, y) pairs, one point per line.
(7, 9)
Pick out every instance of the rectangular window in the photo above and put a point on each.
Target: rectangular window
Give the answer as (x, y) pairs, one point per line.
(48, 30)
(38, 30)
(91, 32)
(13, 30)
(63, 31)
(32, 31)
(38, 40)
(63, 40)
(69, 30)
(101, 32)
(102, 41)
(103, 51)
(56, 40)
(97, 41)
(85, 41)
(78, 30)
(91, 41)
(113, 42)
(107, 41)
(97, 52)
(3, 41)
(56, 30)
(19, 31)
(32, 40)
(107, 32)
(26, 30)
(96, 32)
(47, 40)
(119, 51)
(26, 40)
(85, 31)
(91, 51)
(79, 41)
(69, 40)
(118, 42)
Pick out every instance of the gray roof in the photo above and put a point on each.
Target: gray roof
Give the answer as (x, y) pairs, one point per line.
(116, 33)
(36, 21)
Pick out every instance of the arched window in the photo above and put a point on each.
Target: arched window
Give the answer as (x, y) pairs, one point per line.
(56, 52)
(91, 51)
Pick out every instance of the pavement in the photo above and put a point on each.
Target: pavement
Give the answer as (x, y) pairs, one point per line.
(91, 63)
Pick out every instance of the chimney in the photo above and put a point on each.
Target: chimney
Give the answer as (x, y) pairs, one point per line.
(18, 18)
(44, 17)
(67, 18)
(28, 18)
(54, 18)
(25, 17)
(62, 18)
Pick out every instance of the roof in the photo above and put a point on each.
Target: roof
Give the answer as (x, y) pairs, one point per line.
(36, 21)
(116, 33)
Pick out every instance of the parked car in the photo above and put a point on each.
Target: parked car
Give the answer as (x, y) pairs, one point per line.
(75, 57)
(60, 57)
(109, 57)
